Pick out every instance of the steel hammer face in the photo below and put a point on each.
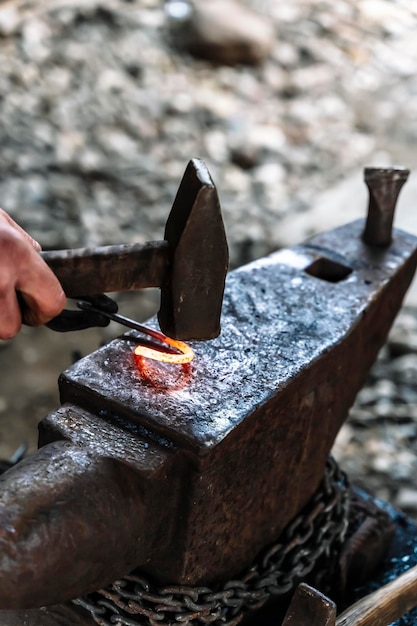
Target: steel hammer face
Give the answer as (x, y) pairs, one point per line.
(191, 298)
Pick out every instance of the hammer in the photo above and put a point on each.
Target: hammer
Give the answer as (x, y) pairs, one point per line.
(384, 606)
(189, 265)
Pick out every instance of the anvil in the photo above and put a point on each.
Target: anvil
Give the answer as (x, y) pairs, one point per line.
(187, 474)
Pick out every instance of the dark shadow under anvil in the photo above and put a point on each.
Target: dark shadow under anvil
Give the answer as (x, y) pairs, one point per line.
(190, 475)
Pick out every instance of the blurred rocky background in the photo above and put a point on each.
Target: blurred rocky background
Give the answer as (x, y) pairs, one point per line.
(102, 104)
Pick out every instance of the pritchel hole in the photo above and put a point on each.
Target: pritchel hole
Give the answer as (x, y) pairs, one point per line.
(328, 270)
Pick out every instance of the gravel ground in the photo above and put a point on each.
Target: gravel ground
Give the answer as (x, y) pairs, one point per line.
(100, 110)
(377, 446)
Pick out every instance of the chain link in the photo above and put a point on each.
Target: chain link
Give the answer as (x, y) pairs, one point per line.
(312, 541)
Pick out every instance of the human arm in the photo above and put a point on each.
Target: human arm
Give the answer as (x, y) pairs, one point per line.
(25, 276)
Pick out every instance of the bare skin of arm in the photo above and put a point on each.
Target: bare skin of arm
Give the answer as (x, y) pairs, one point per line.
(23, 270)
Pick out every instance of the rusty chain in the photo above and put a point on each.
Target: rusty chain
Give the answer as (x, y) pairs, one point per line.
(311, 542)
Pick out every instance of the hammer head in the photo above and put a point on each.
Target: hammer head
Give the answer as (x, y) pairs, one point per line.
(191, 299)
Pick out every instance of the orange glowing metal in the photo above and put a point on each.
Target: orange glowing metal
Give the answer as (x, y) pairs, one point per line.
(185, 355)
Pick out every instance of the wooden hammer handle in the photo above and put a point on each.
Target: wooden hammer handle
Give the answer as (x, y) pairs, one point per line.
(89, 271)
(385, 605)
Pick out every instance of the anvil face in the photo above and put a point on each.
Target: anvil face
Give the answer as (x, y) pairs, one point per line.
(253, 418)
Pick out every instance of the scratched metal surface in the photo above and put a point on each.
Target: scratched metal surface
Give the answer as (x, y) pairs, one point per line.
(277, 319)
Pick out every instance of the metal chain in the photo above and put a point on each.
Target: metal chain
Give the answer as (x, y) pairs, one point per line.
(312, 541)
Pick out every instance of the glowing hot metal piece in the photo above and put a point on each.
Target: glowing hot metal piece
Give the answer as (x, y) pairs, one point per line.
(186, 353)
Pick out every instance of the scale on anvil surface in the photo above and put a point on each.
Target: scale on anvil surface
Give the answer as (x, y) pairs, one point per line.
(190, 475)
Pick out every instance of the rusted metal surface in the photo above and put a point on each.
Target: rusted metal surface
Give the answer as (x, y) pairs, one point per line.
(367, 543)
(87, 500)
(309, 607)
(189, 265)
(314, 605)
(384, 185)
(308, 548)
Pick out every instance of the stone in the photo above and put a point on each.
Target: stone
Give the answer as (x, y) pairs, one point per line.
(404, 466)
(67, 146)
(404, 369)
(36, 36)
(407, 499)
(118, 143)
(10, 19)
(224, 31)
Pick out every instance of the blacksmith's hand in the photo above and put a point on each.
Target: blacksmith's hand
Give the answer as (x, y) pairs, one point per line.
(29, 291)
